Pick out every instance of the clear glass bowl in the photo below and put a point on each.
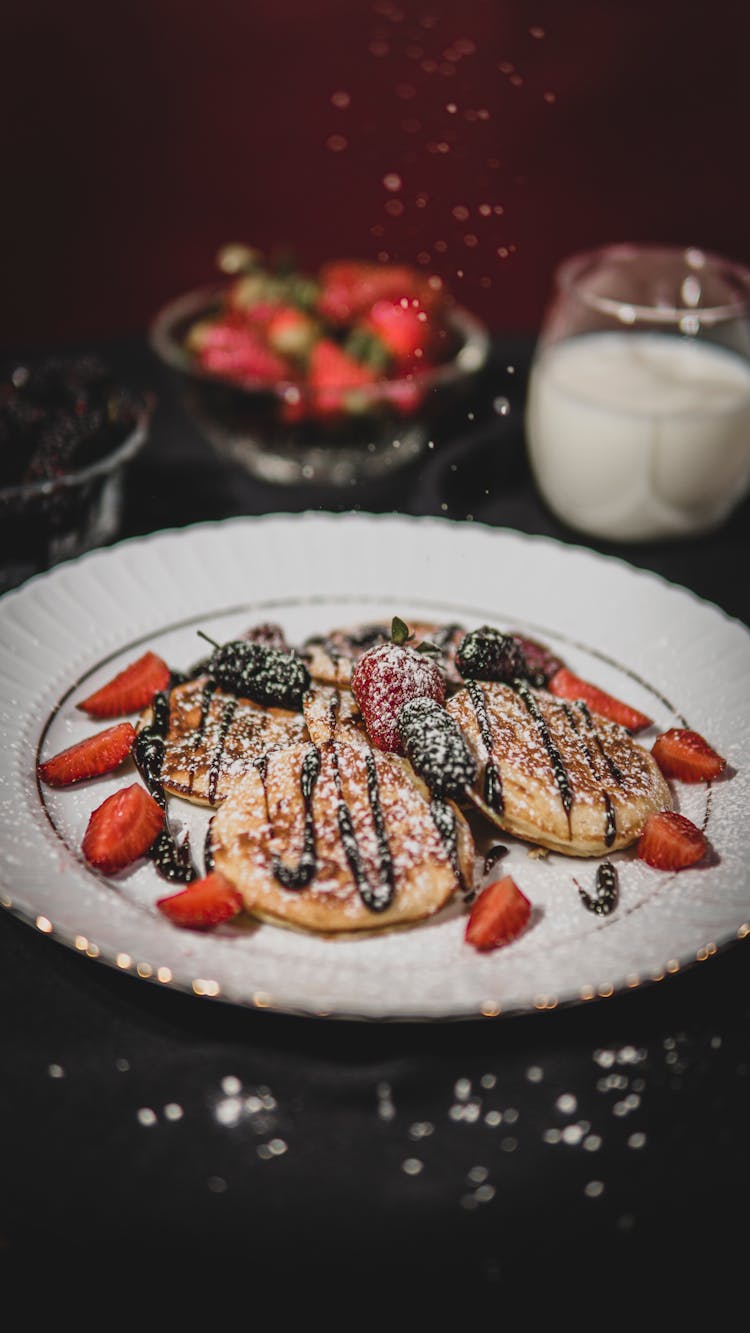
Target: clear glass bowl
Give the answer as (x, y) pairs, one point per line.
(247, 423)
(44, 522)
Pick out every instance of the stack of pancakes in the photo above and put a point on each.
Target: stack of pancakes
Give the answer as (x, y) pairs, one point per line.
(320, 830)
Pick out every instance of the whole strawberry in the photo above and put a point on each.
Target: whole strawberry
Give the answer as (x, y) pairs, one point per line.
(388, 676)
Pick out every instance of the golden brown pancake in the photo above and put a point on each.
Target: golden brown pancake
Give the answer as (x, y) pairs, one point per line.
(331, 714)
(213, 738)
(555, 774)
(340, 838)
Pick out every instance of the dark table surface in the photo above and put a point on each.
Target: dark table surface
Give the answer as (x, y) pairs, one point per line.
(608, 1137)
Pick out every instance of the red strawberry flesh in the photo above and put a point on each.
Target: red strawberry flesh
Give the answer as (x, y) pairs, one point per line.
(122, 829)
(686, 755)
(384, 679)
(565, 685)
(671, 841)
(204, 903)
(498, 915)
(89, 758)
(131, 690)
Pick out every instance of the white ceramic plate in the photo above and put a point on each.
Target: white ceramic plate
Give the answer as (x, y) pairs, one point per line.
(680, 660)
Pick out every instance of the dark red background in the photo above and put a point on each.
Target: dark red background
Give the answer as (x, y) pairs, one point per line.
(141, 137)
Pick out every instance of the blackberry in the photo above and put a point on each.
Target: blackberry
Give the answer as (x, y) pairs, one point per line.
(487, 654)
(255, 671)
(435, 746)
(59, 416)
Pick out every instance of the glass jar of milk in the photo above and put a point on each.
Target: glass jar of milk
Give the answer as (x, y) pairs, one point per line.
(638, 408)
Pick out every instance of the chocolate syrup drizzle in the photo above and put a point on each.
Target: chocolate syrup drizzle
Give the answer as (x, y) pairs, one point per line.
(610, 820)
(172, 860)
(227, 717)
(492, 790)
(559, 770)
(379, 896)
(297, 877)
(604, 900)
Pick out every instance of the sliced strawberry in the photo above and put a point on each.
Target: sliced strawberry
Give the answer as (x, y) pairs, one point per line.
(89, 758)
(239, 353)
(335, 377)
(291, 332)
(498, 915)
(204, 903)
(671, 841)
(131, 689)
(685, 755)
(566, 685)
(402, 326)
(348, 288)
(122, 829)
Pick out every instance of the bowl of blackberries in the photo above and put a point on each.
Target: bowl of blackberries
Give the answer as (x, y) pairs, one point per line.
(332, 374)
(68, 433)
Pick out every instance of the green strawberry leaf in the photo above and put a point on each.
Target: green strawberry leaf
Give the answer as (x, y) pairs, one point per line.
(399, 631)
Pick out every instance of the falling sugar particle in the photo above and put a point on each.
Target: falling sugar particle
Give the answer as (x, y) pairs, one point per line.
(274, 1148)
(216, 1184)
(488, 1080)
(592, 1142)
(462, 1089)
(421, 1129)
(392, 181)
(534, 1074)
(637, 1140)
(509, 1145)
(477, 1175)
(566, 1103)
(146, 1116)
(122, 1066)
(501, 406)
(231, 1085)
(341, 100)
(229, 1111)
(594, 1189)
(173, 1111)
(337, 143)
(411, 1166)
(56, 1071)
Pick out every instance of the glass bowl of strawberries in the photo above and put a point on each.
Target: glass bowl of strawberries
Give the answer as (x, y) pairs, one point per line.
(332, 377)
(68, 434)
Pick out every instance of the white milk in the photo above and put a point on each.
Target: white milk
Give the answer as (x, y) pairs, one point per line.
(634, 436)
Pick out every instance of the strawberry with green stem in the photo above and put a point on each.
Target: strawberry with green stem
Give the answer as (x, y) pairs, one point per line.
(387, 676)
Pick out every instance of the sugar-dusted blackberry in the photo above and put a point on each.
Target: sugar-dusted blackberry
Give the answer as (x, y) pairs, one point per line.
(488, 654)
(255, 671)
(435, 746)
